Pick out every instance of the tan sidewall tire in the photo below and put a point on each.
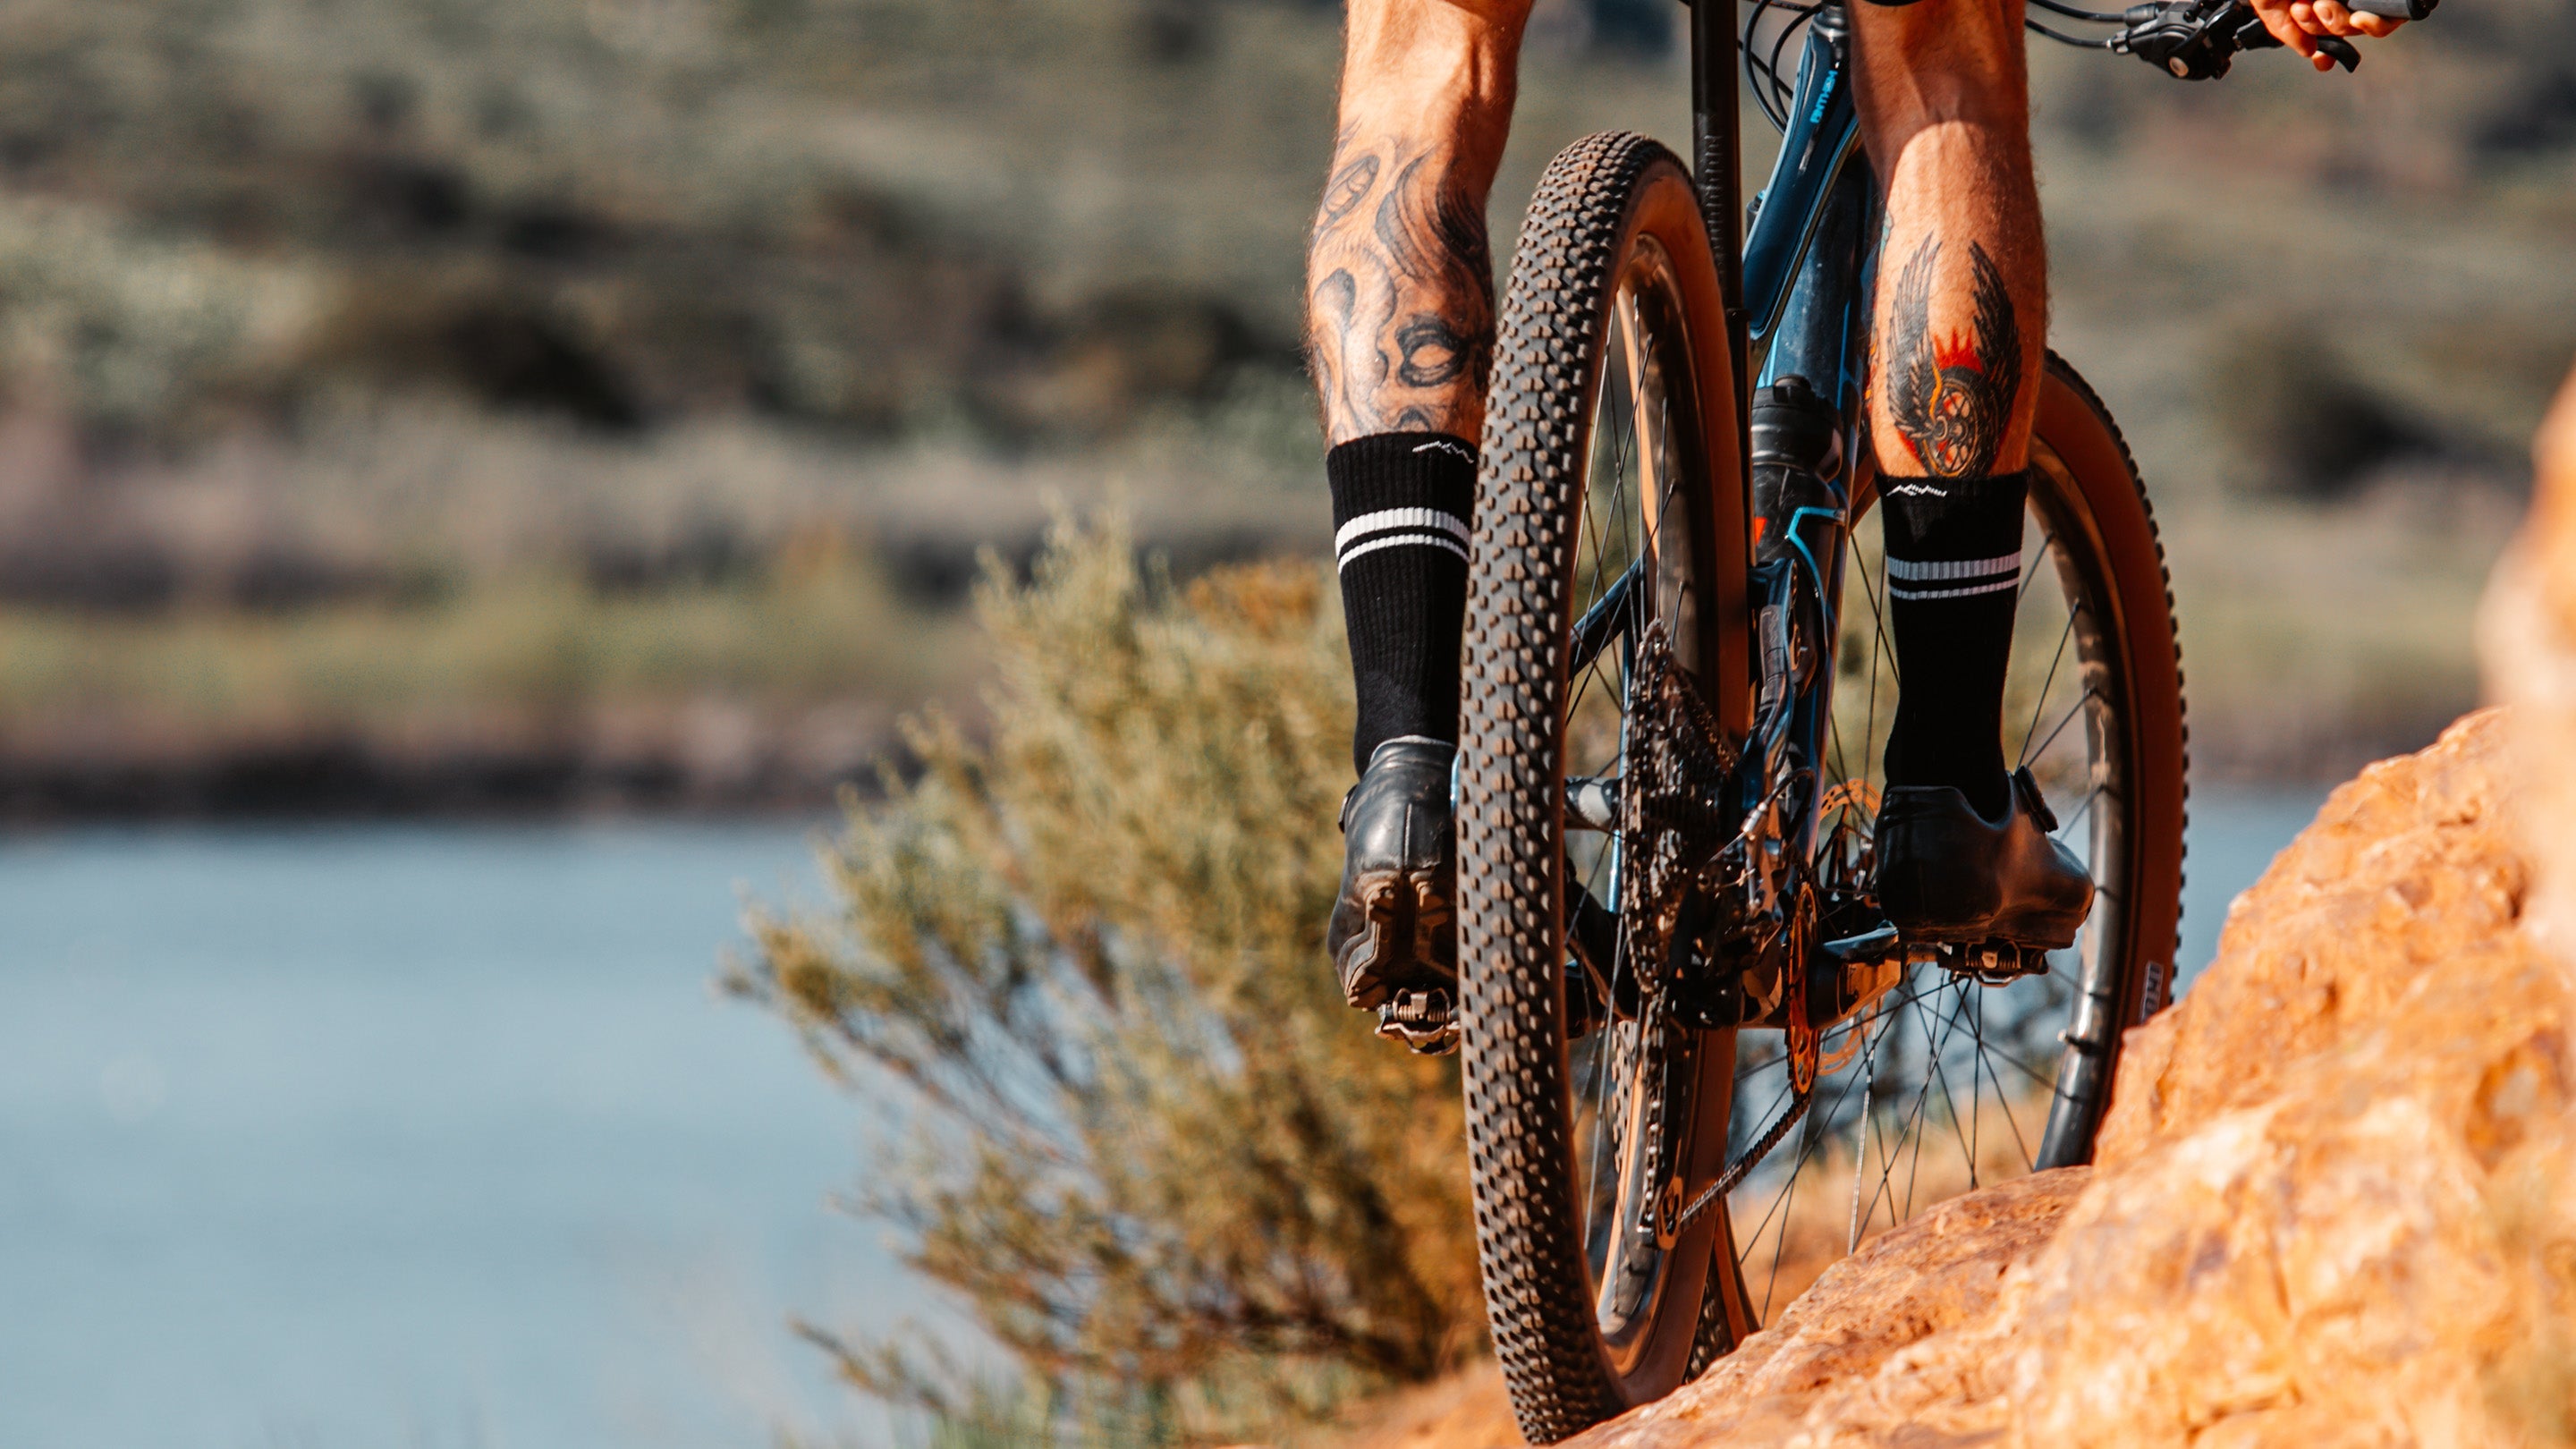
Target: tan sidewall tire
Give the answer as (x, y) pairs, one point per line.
(1597, 199)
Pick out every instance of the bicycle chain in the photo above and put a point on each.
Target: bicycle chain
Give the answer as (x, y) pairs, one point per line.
(1742, 1167)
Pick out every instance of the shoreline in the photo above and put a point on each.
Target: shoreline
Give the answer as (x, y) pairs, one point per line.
(353, 778)
(760, 774)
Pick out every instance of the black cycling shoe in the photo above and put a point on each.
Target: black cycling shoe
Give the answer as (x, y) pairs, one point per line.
(1394, 929)
(1947, 874)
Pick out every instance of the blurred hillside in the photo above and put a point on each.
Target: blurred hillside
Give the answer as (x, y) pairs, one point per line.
(372, 317)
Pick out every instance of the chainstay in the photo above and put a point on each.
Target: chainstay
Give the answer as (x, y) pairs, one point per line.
(1742, 1167)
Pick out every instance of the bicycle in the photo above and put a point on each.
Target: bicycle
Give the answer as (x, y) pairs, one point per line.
(1677, 1008)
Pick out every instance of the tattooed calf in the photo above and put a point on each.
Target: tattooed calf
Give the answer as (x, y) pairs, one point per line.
(1952, 398)
(1349, 187)
(1400, 299)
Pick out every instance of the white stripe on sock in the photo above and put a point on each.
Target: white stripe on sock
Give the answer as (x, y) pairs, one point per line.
(1404, 540)
(1387, 518)
(1966, 568)
(1997, 587)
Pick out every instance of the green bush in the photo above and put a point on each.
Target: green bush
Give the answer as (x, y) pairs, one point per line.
(1145, 1141)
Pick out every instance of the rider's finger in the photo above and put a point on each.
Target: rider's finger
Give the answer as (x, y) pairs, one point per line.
(2377, 27)
(2311, 16)
(2332, 17)
(2288, 31)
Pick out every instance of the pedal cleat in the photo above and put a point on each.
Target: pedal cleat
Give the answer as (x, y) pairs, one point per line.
(1424, 1019)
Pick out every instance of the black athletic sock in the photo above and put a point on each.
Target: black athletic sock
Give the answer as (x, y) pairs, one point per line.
(1953, 577)
(1400, 509)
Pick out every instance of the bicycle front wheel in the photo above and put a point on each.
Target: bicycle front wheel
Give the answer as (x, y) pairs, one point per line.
(1960, 1076)
(1610, 550)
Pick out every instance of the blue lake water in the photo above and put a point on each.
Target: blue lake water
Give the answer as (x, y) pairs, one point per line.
(418, 1136)
(440, 1136)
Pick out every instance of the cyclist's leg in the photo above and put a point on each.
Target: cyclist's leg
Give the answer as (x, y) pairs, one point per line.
(1400, 287)
(1400, 326)
(1960, 325)
(1944, 101)
(1960, 328)
(1400, 321)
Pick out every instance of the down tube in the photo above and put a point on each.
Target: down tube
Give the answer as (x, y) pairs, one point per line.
(1822, 332)
(1822, 337)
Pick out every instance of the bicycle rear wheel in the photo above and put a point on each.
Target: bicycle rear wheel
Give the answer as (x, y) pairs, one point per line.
(1948, 1082)
(1610, 547)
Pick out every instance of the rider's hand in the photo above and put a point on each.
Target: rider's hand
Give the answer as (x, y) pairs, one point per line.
(2292, 22)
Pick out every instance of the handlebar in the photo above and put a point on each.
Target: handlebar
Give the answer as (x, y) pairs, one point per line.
(2191, 39)
(2199, 39)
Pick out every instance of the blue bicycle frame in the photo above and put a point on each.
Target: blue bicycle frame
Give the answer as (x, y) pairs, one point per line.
(1803, 279)
(1804, 275)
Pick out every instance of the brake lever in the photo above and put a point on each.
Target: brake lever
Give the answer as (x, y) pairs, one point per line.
(2198, 39)
(2333, 47)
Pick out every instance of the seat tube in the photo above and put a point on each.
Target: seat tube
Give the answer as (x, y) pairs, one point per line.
(1717, 165)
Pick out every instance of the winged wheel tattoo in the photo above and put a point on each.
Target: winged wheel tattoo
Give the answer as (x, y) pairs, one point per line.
(1951, 398)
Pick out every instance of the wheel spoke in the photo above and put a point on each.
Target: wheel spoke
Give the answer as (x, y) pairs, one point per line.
(1875, 591)
(2096, 793)
(2047, 543)
(2003, 1101)
(2072, 710)
(1976, 1098)
(1934, 1045)
(2040, 701)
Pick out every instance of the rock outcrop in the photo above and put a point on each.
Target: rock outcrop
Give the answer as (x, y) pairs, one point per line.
(2527, 644)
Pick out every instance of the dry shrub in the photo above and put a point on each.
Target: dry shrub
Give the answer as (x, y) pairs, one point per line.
(1146, 1143)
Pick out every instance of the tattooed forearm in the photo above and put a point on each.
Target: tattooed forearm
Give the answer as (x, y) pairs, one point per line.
(1400, 293)
(1951, 397)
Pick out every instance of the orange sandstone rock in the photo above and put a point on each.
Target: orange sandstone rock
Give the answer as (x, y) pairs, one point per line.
(2527, 643)
(1938, 1271)
(1467, 1410)
(2402, 867)
(2336, 1202)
